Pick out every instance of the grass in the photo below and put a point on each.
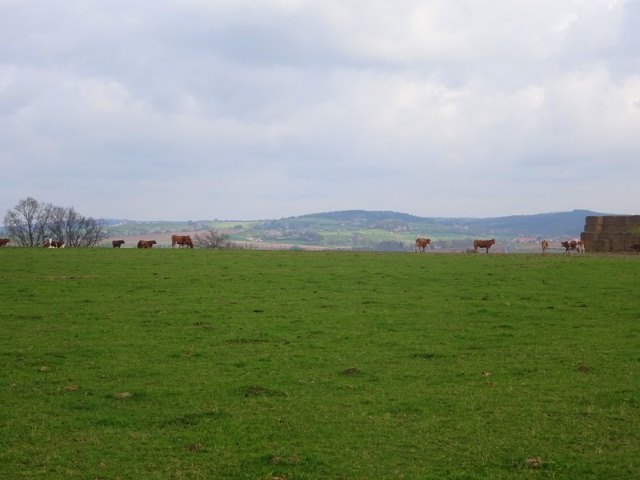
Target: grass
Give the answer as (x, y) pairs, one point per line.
(129, 364)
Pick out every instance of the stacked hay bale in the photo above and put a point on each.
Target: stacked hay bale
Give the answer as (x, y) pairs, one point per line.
(618, 233)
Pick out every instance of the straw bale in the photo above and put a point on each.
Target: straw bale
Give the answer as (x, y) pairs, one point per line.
(611, 233)
(592, 224)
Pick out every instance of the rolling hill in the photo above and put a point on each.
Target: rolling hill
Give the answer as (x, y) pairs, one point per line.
(374, 230)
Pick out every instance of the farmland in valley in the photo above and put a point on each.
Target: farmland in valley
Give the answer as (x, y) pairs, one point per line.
(368, 230)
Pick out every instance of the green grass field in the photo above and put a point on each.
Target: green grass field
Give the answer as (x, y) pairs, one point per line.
(194, 364)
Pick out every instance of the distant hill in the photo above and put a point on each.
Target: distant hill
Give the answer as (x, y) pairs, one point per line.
(559, 224)
(554, 225)
(370, 230)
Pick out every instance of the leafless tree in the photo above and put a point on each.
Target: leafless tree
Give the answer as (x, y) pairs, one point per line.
(30, 223)
(212, 239)
(27, 223)
(76, 230)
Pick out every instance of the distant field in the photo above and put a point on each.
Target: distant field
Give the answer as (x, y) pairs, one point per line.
(238, 364)
(305, 234)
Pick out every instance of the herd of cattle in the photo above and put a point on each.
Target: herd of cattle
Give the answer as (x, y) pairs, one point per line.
(570, 246)
(180, 240)
(421, 245)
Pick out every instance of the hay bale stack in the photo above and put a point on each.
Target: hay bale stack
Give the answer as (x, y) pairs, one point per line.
(594, 225)
(611, 233)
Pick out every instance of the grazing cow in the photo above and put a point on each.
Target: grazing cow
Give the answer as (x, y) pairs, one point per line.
(421, 244)
(545, 245)
(4, 241)
(181, 240)
(483, 244)
(50, 243)
(117, 243)
(146, 243)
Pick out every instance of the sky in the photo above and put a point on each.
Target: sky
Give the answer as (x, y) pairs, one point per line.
(264, 109)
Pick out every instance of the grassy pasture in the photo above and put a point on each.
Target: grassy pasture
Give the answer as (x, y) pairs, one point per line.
(193, 364)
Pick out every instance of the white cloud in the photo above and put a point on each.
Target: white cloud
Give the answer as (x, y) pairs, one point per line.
(278, 108)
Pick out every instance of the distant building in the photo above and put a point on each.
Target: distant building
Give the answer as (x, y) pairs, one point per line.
(619, 233)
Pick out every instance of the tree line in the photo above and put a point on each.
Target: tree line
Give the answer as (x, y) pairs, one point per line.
(31, 223)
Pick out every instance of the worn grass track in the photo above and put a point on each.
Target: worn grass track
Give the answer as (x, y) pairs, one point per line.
(129, 364)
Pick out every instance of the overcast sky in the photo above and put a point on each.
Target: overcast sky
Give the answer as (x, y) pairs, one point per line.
(260, 109)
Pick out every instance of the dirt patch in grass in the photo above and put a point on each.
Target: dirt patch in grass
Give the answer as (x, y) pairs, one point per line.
(195, 447)
(534, 462)
(257, 391)
(190, 419)
(426, 355)
(203, 325)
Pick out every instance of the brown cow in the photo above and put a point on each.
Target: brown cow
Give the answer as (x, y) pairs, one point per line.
(545, 245)
(181, 240)
(117, 243)
(421, 244)
(483, 244)
(4, 241)
(146, 243)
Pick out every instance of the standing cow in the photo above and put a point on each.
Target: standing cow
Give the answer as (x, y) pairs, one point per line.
(571, 246)
(545, 245)
(181, 241)
(486, 244)
(421, 244)
(4, 241)
(117, 243)
(146, 243)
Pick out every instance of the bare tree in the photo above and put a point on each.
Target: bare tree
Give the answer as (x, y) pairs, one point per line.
(76, 230)
(57, 223)
(30, 223)
(94, 232)
(212, 239)
(27, 224)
